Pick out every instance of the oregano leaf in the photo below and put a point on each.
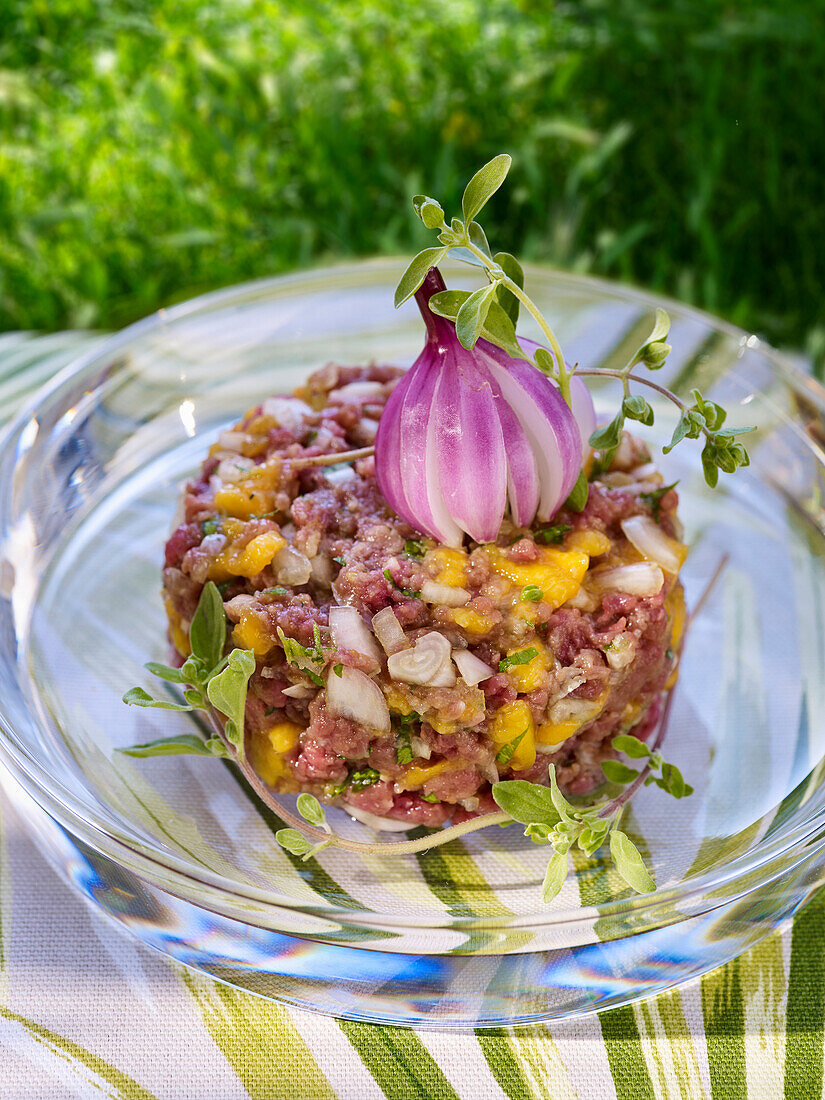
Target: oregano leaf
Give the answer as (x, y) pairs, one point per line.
(473, 313)
(183, 744)
(617, 772)
(293, 841)
(525, 802)
(629, 863)
(207, 633)
(137, 697)
(513, 270)
(416, 273)
(484, 185)
(311, 809)
(554, 876)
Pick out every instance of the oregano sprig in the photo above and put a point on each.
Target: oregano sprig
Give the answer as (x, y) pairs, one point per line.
(491, 313)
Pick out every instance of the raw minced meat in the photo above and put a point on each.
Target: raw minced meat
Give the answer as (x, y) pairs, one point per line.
(571, 659)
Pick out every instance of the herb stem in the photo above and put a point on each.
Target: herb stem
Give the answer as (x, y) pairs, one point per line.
(562, 374)
(628, 376)
(330, 459)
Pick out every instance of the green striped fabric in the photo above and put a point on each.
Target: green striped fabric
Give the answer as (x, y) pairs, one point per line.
(88, 1012)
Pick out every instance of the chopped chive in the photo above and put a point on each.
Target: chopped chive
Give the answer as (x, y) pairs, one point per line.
(506, 752)
(430, 798)
(276, 591)
(338, 670)
(403, 748)
(546, 535)
(408, 592)
(360, 780)
(654, 498)
(210, 526)
(523, 657)
(339, 560)
(415, 548)
(532, 593)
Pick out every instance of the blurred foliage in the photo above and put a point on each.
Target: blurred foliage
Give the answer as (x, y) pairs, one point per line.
(151, 150)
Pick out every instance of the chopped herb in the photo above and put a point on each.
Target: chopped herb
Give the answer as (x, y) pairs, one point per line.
(577, 501)
(532, 593)
(339, 560)
(408, 592)
(297, 654)
(312, 436)
(334, 789)
(276, 591)
(523, 657)
(430, 798)
(415, 548)
(338, 670)
(408, 720)
(403, 748)
(654, 499)
(222, 587)
(360, 780)
(546, 535)
(669, 654)
(268, 711)
(505, 753)
(210, 526)
(316, 679)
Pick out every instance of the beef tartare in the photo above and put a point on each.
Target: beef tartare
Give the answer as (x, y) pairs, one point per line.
(399, 677)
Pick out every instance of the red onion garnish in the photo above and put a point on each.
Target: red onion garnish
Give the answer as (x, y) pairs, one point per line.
(467, 436)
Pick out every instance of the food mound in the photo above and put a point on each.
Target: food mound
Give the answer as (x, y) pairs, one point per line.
(400, 678)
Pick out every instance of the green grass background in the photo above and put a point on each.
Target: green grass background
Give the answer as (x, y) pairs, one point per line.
(153, 150)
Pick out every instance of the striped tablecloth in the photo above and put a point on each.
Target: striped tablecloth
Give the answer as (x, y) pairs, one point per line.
(88, 1012)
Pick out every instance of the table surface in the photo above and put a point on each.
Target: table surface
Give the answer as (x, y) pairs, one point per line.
(86, 1011)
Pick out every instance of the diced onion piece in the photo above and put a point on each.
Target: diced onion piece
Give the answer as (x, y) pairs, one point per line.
(354, 695)
(291, 567)
(653, 544)
(469, 804)
(544, 748)
(288, 412)
(232, 441)
(299, 691)
(444, 594)
(428, 662)
(582, 601)
(355, 392)
(388, 631)
(472, 669)
(642, 578)
(621, 651)
(580, 710)
(420, 748)
(349, 631)
(233, 469)
(236, 605)
(321, 570)
(380, 824)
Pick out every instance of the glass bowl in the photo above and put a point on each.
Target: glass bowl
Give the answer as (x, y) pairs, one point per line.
(179, 851)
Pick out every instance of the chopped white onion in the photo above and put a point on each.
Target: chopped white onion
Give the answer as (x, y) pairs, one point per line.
(642, 473)
(367, 429)
(288, 412)
(444, 594)
(469, 804)
(380, 824)
(213, 544)
(428, 662)
(582, 710)
(582, 601)
(321, 570)
(299, 691)
(546, 749)
(236, 606)
(354, 695)
(349, 631)
(232, 441)
(291, 567)
(653, 544)
(388, 631)
(233, 469)
(642, 578)
(356, 391)
(621, 651)
(472, 669)
(420, 748)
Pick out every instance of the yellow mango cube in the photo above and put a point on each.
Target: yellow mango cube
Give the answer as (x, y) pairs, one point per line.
(471, 621)
(558, 573)
(451, 566)
(509, 722)
(527, 677)
(250, 633)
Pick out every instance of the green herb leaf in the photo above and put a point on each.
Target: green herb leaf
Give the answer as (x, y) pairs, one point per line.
(470, 318)
(505, 753)
(507, 300)
(525, 802)
(554, 876)
(338, 670)
(545, 362)
(546, 535)
(563, 807)
(591, 838)
(167, 672)
(227, 693)
(609, 435)
(577, 501)
(293, 841)
(416, 273)
(636, 407)
(631, 746)
(403, 748)
(429, 211)
(479, 238)
(276, 591)
(523, 657)
(430, 798)
(415, 548)
(654, 498)
(183, 744)
(207, 634)
(531, 593)
(311, 809)
(498, 329)
(538, 832)
(617, 772)
(408, 592)
(484, 185)
(689, 426)
(137, 697)
(210, 526)
(629, 863)
(365, 777)
(447, 303)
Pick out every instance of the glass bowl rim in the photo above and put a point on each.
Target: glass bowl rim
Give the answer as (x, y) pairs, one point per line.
(211, 889)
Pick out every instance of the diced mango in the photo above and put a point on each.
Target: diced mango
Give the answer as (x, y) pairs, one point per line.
(396, 701)
(451, 566)
(270, 764)
(509, 722)
(471, 621)
(249, 560)
(250, 633)
(178, 634)
(528, 677)
(417, 775)
(283, 736)
(238, 501)
(589, 542)
(553, 733)
(675, 608)
(558, 573)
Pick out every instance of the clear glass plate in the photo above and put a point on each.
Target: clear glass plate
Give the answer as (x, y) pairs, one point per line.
(178, 849)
